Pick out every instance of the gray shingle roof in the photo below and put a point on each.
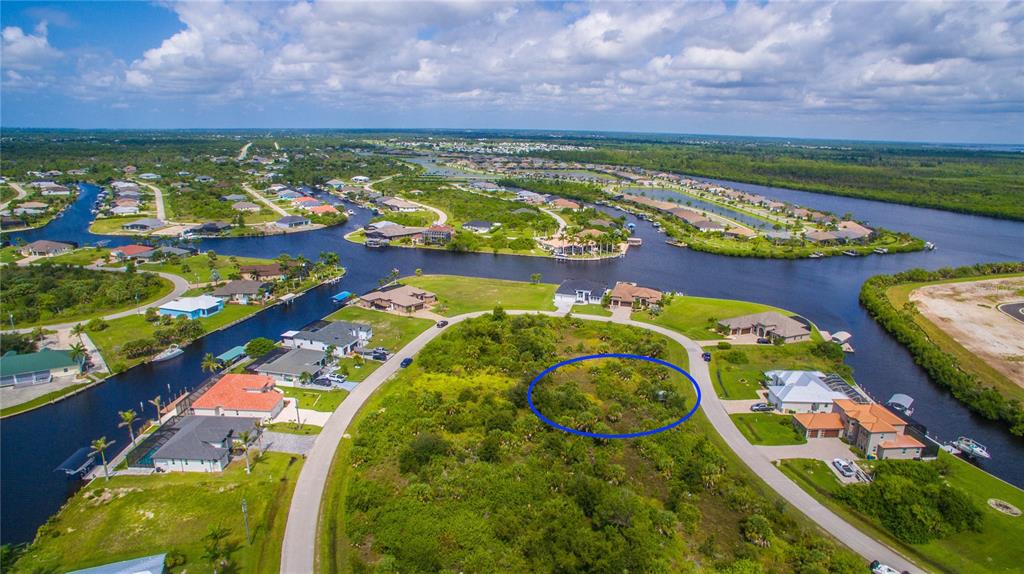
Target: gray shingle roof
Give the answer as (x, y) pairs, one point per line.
(294, 363)
(204, 438)
(337, 333)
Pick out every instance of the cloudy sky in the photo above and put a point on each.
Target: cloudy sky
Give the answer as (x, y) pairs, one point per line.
(927, 71)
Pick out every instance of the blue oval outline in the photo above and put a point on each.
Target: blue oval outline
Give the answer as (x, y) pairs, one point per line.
(556, 366)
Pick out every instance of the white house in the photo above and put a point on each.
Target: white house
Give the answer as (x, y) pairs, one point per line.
(580, 292)
(801, 392)
(201, 443)
(344, 336)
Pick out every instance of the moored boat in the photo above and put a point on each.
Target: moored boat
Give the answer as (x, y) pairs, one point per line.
(971, 448)
(168, 354)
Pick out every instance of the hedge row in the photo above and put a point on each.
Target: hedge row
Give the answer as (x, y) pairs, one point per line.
(942, 367)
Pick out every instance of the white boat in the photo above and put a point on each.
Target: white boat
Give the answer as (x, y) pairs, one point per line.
(851, 253)
(901, 403)
(929, 246)
(971, 448)
(881, 250)
(816, 255)
(168, 354)
(350, 212)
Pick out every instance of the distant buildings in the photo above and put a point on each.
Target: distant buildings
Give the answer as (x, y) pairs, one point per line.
(479, 226)
(437, 234)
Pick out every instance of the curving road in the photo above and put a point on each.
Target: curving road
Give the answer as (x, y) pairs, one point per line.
(243, 152)
(161, 213)
(299, 550)
(180, 286)
(19, 191)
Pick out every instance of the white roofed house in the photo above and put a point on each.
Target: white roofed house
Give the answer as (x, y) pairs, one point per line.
(801, 392)
(192, 307)
(344, 336)
(580, 292)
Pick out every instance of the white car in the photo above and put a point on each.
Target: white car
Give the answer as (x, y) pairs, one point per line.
(879, 568)
(845, 468)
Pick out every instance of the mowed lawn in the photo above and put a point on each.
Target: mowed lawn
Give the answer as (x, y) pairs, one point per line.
(993, 550)
(591, 310)
(135, 516)
(315, 400)
(199, 269)
(696, 317)
(84, 256)
(389, 331)
(768, 429)
(458, 295)
(735, 381)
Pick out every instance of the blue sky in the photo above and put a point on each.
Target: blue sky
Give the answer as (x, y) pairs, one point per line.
(897, 71)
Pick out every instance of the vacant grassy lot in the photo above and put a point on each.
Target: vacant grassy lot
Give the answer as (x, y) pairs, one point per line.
(457, 295)
(768, 429)
(591, 310)
(696, 317)
(84, 256)
(995, 550)
(112, 225)
(197, 268)
(389, 331)
(135, 516)
(10, 254)
(741, 380)
(314, 400)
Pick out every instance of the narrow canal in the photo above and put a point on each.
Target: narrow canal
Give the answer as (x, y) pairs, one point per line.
(824, 290)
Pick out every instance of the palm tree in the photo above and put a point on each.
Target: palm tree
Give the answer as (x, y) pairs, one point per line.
(258, 425)
(78, 330)
(305, 378)
(37, 334)
(246, 437)
(100, 446)
(127, 420)
(210, 363)
(77, 352)
(156, 403)
(329, 351)
(214, 551)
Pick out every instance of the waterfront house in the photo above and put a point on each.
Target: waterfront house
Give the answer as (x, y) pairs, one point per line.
(242, 291)
(323, 210)
(386, 234)
(288, 369)
(246, 206)
(288, 194)
(127, 202)
(817, 236)
(124, 210)
(479, 226)
(8, 222)
(560, 203)
(800, 392)
(165, 251)
(345, 336)
(400, 205)
(853, 231)
(45, 248)
(241, 395)
(265, 271)
(126, 252)
(58, 190)
(876, 431)
(580, 292)
(37, 368)
(626, 294)
(305, 202)
(405, 298)
(770, 325)
(144, 225)
(292, 221)
(192, 307)
(335, 183)
(201, 444)
(437, 234)
(206, 229)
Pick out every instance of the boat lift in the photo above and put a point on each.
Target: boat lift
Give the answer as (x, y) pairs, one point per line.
(79, 463)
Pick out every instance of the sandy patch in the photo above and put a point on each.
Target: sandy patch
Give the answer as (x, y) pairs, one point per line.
(968, 313)
(173, 231)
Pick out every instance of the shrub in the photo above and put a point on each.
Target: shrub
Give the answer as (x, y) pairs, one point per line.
(724, 345)
(174, 559)
(259, 346)
(96, 325)
(736, 357)
(423, 448)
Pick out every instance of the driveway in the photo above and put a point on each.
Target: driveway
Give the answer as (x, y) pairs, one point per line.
(308, 416)
(298, 552)
(733, 407)
(824, 449)
(287, 442)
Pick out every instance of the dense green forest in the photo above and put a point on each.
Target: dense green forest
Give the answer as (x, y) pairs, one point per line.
(985, 183)
(942, 367)
(570, 189)
(449, 471)
(65, 293)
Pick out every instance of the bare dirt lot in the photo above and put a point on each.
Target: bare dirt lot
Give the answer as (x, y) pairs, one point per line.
(969, 313)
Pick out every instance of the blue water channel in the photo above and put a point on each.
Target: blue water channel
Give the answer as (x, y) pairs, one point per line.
(699, 204)
(824, 290)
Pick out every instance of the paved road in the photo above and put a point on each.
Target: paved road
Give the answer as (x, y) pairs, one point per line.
(180, 286)
(298, 553)
(259, 197)
(244, 151)
(442, 217)
(21, 193)
(561, 222)
(1015, 310)
(161, 214)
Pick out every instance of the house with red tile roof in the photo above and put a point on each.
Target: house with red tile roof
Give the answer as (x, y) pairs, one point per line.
(323, 209)
(238, 395)
(130, 251)
(876, 430)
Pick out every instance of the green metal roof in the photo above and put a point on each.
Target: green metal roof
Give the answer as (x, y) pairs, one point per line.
(231, 354)
(44, 360)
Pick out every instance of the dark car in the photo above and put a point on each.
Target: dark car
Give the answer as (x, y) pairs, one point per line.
(706, 357)
(761, 407)
(406, 362)
(442, 323)
(763, 341)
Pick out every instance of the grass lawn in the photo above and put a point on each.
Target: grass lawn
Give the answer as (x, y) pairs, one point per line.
(133, 516)
(314, 400)
(987, 375)
(768, 429)
(10, 254)
(458, 295)
(199, 266)
(358, 374)
(591, 310)
(293, 428)
(84, 256)
(41, 400)
(165, 288)
(112, 225)
(742, 381)
(995, 550)
(389, 331)
(696, 317)
(109, 340)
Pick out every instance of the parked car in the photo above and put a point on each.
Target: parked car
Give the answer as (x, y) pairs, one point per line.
(879, 568)
(845, 468)
(706, 357)
(406, 362)
(442, 323)
(763, 341)
(761, 407)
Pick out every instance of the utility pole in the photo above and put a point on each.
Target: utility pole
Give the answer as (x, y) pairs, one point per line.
(245, 517)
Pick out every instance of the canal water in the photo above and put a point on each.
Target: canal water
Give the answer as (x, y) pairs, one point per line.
(824, 290)
(700, 204)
